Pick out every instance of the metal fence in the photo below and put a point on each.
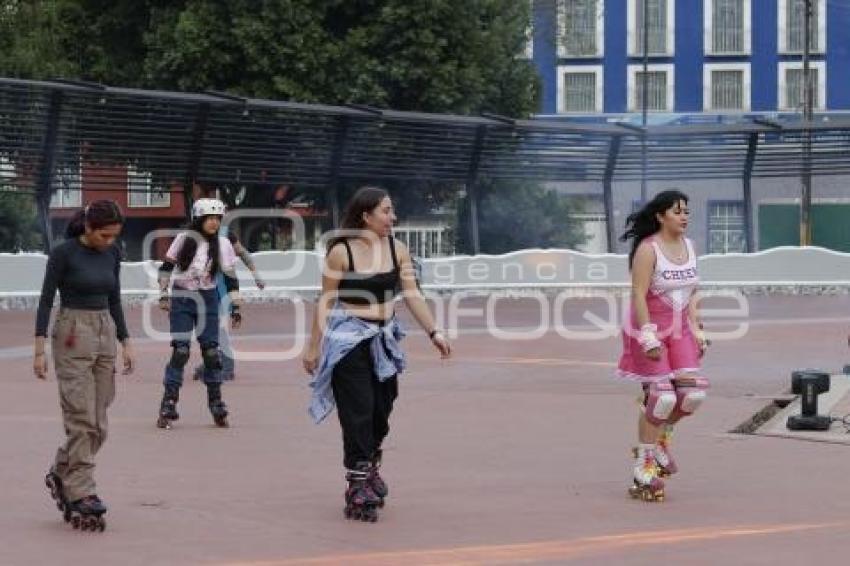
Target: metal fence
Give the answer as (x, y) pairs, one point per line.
(47, 128)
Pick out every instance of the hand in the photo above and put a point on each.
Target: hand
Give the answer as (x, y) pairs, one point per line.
(311, 360)
(235, 317)
(165, 302)
(442, 344)
(259, 282)
(654, 354)
(39, 365)
(129, 358)
(702, 342)
(648, 340)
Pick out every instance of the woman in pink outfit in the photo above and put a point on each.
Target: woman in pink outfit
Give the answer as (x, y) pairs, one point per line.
(662, 334)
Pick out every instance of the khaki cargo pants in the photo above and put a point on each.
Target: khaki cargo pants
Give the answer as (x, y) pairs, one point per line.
(84, 347)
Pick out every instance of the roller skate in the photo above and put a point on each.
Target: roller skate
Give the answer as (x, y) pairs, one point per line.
(87, 513)
(168, 407)
(666, 465)
(57, 492)
(647, 485)
(361, 503)
(218, 409)
(376, 482)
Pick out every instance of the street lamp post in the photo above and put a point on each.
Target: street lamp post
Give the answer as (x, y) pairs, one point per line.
(808, 103)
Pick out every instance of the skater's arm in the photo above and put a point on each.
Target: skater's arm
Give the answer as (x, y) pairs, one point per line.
(696, 323)
(115, 308)
(52, 275)
(642, 267)
(416, 302)
(56, 264)
(246, 258)
(335, 264)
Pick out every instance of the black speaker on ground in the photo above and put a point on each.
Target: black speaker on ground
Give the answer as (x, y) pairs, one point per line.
(809, 383)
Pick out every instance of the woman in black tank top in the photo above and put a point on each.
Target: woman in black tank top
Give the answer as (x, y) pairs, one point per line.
(365, 270)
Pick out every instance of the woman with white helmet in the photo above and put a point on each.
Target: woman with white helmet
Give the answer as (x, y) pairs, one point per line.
(191, 264)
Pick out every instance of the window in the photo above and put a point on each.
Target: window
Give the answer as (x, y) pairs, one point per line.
(7, 172)
(660, 88)
(727, 26)
(792, 28)
(661, 24)
(67, 186)
(580, 88)
(142, 192)
(581, 28)
(726, 86)
(726, 228)
(791, 85)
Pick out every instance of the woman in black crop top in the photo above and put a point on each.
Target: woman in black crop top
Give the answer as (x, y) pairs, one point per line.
(365, 269)
(85, 268)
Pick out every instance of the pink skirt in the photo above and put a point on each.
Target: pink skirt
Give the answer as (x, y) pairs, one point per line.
(679, 349)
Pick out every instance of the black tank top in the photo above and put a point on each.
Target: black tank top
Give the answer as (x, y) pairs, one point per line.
(359, 289)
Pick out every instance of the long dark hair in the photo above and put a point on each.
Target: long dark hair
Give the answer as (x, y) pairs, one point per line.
(644, 222)
(366, 199)
(190, 247)
(98, 214)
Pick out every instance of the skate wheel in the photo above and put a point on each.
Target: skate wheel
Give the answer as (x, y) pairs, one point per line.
(75, 521)
(101, 525)
(163, 423)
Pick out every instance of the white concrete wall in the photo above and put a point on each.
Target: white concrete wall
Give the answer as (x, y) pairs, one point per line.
(299, 272)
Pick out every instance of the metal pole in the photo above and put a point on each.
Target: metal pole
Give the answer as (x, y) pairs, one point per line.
(340, 146)
(806, 205)
(752, 146)
(644, 95)
(472, 189)
(608, 193)
(194, 165)
(44, 186)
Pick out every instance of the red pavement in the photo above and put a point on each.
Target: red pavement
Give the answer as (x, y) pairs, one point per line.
(513, 452)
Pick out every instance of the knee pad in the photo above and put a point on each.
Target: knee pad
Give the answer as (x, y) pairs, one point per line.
(660, 400)
(690, 396)
(179, 356)
(211, 357)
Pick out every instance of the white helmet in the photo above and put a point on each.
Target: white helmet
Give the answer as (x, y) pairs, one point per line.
(207, 207)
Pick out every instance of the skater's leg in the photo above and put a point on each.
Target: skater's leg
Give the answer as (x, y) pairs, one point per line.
(208, 337)
(385, 393)
(225, 347)
(181, 317)
(104, 378)
(75, 350)
(361, 502)
(647, 484)
(691, 391)
(659, 399)
(352, 384)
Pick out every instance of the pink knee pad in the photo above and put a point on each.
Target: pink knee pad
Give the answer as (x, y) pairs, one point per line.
(660, 402)
(689, 397)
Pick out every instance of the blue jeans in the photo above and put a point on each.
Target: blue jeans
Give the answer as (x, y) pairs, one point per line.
(191, 310)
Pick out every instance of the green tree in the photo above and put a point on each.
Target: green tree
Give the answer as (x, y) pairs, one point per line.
(514, 216)
(422, 55)
(18, 224)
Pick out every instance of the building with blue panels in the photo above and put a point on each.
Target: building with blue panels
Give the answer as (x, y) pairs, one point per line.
(705, 56)
(708, 61)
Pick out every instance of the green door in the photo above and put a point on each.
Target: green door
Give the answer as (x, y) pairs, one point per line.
(779, 225)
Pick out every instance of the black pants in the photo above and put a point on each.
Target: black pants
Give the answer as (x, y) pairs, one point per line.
(363, 404)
